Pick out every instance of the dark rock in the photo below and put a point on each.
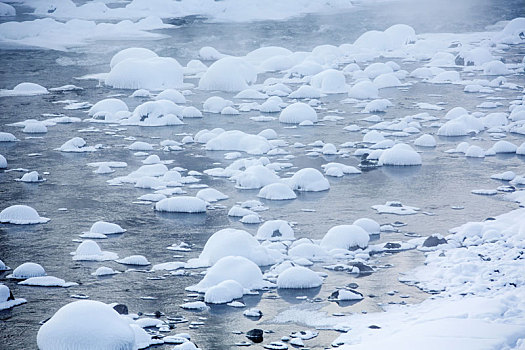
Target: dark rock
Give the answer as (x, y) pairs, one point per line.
(352, 285)
(255, 335)
(391, 245)
(363, 269)
(158, 314)
(121, 309)
(460, 61)
(374, 327)
(11, 296)
(433, 241)
(276, 233)
(334, 295)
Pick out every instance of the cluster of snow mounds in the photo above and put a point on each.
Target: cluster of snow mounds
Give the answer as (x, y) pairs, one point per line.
(232, 242)
(136, 68)
(86, 324)
(228, 74)
(235, 140)
(182, 204)
(236, 268)
(21, 215)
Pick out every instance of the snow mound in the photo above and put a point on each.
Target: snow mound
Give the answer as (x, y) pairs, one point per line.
(297, 113)
(211, 195)
(345, 237)
(425, 140)
(308, 180)
(34, 127)
(182, 204)
(138, 260)
(236, 268)
(133, 53)
(224, 292)
(400, 155)
(108, 105)
(86, 324)
(21, 215)
(155, 73)
(76, 145)
(25, 89)
(28, 270)
(298, 277)
(364, 90)
(3, 162)
(235, 140)
(90, 251)
(369, 225)
(215, 104)
(7, 300)
(7, 137)
(228, 74)
(275, 230)
(232, 242)
(276, 192)
(105, 228)
(31, 177)
(330, 81)
(47, 281)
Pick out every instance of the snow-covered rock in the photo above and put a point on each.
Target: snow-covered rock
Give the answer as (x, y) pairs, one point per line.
(21, 215)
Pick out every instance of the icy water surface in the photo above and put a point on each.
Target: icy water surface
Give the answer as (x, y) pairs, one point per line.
(440, 187)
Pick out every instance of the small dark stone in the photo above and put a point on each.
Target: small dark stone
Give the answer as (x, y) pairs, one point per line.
(121, 309)
(363, 269)
(460, 61)
(158, 314)
(352, 285)
(334, 295)
(255, 335)
(433, 241)
(374, 327)
(276, 233)
(391, 245)
(11, 296)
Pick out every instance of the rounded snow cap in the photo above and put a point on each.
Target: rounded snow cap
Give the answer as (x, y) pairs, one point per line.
(21, 215)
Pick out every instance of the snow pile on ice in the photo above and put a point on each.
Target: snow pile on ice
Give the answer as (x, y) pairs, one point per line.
(108, 105)
(369, 225)
(330, 81)
(228, 74)
(236, 268)
(232, 242)
(364, 90)
(86, 324)
(297, 113)
(401, 155)
(138, 260)
(32, 176)
(7, 137)
(105, 228)
(345, 237)
(21, 215)
(425, 140)
(298, 277)
(47, 281)
(182, 204)
(211, 195)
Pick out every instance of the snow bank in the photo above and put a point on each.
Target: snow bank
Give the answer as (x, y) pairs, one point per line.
(298, 277)
(345, 237)
(21, 215)
(86, 324)
(228, 74)
(182, 204)
(400, 155)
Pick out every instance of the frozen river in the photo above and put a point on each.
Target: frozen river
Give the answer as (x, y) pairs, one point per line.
(441, 187)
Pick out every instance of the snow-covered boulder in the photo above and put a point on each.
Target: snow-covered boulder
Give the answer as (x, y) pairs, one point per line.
(86, 324)
(228, 74)
(131, 52)
(235, 140)
(90, 251)
(275, 230)
(224, 292)
(108, 105)
(425, 140)
(76, 145)
(182, 204)
(345, 237)
(297, 113)
(21, 215)
(236, 268)
(298, 277)
(308, 180)
(28, 270)
(400, 155)
(277, 191)
(25, 89)
(155, 73)
(211, 195)
(364, 90)
(369, 225)
(7, 300)
(232, 242)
